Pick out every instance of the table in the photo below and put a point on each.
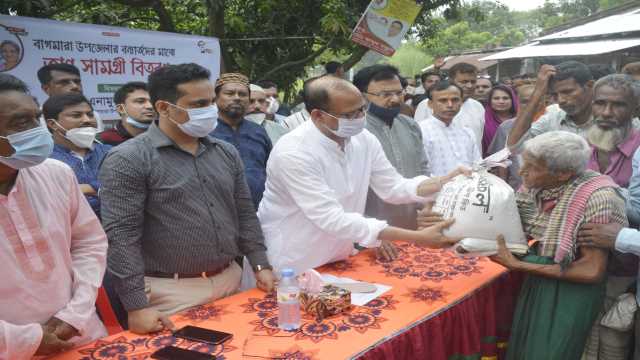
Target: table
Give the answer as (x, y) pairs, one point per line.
(440, 307)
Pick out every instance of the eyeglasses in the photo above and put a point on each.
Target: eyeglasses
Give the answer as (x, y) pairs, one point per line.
(352, 115)
(388, 94)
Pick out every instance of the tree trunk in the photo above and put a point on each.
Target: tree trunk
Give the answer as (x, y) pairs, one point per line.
(216, 28)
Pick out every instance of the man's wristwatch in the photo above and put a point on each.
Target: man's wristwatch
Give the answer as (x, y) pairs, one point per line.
(259, 268)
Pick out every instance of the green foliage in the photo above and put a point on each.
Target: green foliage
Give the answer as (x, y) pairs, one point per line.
(410, 59)
(322, 27)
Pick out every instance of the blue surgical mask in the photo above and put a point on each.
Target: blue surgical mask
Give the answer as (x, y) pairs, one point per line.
(348, 127)
(31, 147)
(202, 121)
(135, 123)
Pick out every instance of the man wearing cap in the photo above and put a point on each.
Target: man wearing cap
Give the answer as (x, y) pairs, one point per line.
(257, 113)
(249, 138)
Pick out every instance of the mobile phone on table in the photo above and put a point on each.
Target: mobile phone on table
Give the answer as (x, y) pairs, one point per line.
(176, 353)
(199, 334)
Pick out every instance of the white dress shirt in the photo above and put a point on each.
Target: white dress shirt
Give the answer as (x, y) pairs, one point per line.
(312, 210)
(471, 115)
(448, 147)
(52, 259)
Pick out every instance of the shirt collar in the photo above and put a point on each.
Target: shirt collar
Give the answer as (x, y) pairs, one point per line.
(629, 146)
(63, 149)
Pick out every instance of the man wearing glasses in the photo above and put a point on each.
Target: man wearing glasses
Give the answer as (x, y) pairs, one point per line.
(401, 141)
(317, 182)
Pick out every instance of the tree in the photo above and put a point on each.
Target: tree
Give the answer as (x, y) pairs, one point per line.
(275, 39)
(410, 59)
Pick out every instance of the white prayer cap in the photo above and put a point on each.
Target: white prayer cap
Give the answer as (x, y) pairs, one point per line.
(255, 88)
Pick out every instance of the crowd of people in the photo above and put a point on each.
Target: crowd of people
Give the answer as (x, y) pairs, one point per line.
(208, 186)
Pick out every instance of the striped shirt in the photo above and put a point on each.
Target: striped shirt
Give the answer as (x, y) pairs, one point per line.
(166, 210)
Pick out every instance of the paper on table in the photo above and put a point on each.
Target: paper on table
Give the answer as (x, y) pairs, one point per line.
(358, 299)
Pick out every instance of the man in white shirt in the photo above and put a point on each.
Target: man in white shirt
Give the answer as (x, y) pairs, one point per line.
(52, 247)
(471, 114)
(447, 144)
(317, 181)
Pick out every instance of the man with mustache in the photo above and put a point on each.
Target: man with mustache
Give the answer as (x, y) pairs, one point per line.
(612, 136)
(614, 142)
(571, 83)
(250, 139)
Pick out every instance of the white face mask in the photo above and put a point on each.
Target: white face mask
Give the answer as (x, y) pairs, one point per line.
(257, 118)
(348, 127)
(82, 137)
(274, 105)
(202, 121)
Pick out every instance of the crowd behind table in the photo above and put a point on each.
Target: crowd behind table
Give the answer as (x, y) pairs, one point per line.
(208, 186)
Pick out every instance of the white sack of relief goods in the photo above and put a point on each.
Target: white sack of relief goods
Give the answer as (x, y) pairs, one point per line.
(484, 206)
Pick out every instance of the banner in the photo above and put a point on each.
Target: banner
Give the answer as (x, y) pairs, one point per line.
(106, 56)
(384, 24)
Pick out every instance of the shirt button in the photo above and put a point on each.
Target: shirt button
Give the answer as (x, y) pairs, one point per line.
(204, 180)
(211, 204)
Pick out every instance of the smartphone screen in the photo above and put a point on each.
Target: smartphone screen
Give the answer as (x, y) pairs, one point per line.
(195, 333)
(176, 353)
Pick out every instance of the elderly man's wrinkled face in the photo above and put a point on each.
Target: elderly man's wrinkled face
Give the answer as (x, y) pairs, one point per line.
(18, 112)
(572, 97)
(536, 175)
(612, 110)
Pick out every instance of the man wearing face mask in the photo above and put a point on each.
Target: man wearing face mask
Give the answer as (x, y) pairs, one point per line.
(249, 138)
(312, 212)
(256, 113)
(52, 247)
(71, 121)
(136, 112)
(176, 207)
(399, 136)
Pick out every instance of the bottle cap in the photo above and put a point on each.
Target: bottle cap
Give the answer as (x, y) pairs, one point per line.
(287, 272)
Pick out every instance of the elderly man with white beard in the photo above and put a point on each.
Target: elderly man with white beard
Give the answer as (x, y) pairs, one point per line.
(612, 136)
(613, 142)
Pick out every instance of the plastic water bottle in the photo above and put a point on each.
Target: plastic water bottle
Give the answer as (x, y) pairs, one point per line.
(288, 301)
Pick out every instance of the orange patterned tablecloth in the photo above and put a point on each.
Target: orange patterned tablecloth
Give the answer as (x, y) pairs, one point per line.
(426, 284)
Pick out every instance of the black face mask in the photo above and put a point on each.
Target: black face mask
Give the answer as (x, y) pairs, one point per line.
(384, 113)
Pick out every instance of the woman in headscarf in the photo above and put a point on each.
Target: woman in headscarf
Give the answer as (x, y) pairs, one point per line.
(502, 105)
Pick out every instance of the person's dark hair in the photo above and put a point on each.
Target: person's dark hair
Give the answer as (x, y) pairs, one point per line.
(371, 73)
(121, 95)
(44, 73)
(57, 103)
(572, 70)
(12, 43)
(266, 84)
(12, 83)
(442, 86)
(462, 68)
(398, 22)
(426, 74)
(403, 82)
(163, 83)
(417, 99)
(600, 70)
(332, 67)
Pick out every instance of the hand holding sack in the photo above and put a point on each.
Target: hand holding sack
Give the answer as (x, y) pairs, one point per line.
(484, 207)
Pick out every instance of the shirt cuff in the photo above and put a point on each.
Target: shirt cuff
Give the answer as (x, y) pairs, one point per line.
(412, 187)
(134, 300)
(258, 258)
(628, 241)
(72, 319)
(375, 227)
